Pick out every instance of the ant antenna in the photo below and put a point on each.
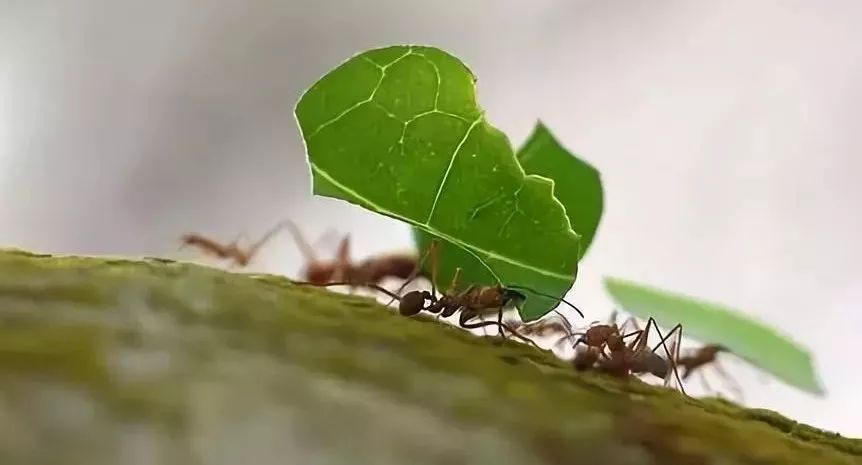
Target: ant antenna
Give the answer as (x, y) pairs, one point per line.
(559, 299)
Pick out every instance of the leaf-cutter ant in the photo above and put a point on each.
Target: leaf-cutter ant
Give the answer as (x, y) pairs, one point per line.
(478, 301)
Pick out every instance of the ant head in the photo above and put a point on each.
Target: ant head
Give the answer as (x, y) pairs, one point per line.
(319, 273)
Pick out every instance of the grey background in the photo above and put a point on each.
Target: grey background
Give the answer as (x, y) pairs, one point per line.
(727, 133)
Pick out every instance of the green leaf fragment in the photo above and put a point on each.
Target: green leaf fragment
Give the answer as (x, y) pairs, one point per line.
(714, 323)
(398, 131)
(577, 184)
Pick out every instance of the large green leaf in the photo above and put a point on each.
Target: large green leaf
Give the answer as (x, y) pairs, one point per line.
(576, 183)
(398, 131)
(714, 323)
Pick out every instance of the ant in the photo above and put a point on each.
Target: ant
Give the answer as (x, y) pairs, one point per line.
(231, 250)
(703, 356)
(624, 359)
(372, 270)
(472, 303)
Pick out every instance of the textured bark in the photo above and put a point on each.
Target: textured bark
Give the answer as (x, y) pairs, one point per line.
(134, 362)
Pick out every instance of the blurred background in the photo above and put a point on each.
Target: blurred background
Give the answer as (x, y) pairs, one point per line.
(727, 135)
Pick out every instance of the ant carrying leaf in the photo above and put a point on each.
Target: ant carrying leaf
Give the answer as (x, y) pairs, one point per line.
(471, 303)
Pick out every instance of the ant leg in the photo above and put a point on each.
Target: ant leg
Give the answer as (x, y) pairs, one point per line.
(704, 381)
(304, 248)
(640, 343)
(674, 349)
(326, 237)
(252, 251)
(500, 322)
(735, 388)
(580, 340)
(677, 328)
(612, 319)
(432, 251)
(500, 327)
(340, 271)
(630, 321)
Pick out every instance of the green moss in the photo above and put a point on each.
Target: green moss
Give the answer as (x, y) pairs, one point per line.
(83, 321)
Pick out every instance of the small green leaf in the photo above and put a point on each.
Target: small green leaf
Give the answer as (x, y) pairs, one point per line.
(398, 131)
(714, 323)
(576, 183)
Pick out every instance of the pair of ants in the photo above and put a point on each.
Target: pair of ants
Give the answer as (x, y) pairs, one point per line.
(603, 348)
(370, 271)
(604, 345)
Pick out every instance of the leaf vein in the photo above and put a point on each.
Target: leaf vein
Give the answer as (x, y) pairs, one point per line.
(449, 169)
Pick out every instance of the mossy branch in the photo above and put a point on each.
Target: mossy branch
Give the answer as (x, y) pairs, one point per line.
(202, 366)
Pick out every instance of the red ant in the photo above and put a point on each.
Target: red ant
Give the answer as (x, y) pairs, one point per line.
(372, 270)
(231, 250)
